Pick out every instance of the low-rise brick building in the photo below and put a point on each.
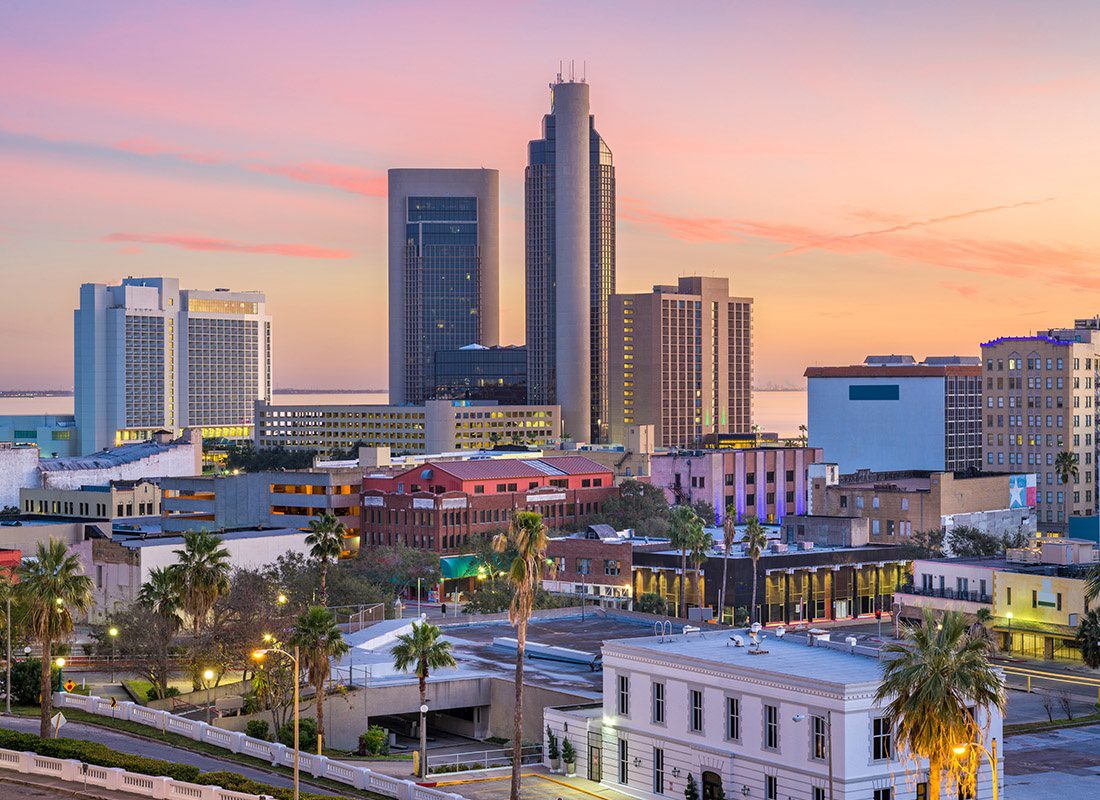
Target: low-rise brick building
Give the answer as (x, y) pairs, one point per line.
(596, 563)
(440, 505)
(899, 504)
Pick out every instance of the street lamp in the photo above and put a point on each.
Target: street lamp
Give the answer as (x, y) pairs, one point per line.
(113, 633)
(60, 662)
(258, 655)
(961, 749)
(828, 743)
(1009, 615)
(207, 677)
(282, 599)
(423, 741)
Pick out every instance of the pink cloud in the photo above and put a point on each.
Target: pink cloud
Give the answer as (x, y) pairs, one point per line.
(205, 243)
(962, 289)
(690, 229)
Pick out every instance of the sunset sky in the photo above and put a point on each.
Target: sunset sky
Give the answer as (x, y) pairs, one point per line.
(880, 176)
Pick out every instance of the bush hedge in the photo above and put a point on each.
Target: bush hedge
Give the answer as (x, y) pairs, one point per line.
(97, 754)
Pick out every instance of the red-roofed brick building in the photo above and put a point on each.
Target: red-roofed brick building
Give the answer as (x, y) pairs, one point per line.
(440, 505)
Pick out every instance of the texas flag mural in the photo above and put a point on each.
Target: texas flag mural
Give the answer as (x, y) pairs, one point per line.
(1022, 490)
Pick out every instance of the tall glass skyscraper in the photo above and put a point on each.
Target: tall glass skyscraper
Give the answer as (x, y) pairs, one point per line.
(570, 239)
(443, 269)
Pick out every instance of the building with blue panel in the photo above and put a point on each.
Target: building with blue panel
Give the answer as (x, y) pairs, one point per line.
(892, 413)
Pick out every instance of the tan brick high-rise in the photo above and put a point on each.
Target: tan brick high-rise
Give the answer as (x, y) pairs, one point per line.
(680, 358)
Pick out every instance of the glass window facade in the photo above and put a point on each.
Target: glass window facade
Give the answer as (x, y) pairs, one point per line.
(484, 373)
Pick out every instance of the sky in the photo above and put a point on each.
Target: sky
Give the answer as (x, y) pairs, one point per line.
(878, 176)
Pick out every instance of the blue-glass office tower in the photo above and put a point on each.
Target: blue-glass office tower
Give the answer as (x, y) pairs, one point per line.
(570, 259)
(444, 268)
(476, 372)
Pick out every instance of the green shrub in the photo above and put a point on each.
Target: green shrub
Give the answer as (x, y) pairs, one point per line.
(25, 676)
(258, 729)
(171, 691)
(97, 754)
(568, 754)
(374, 741)
(307, 733)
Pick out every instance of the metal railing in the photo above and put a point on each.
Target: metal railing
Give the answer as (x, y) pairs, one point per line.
(947, 594)
(482, 759)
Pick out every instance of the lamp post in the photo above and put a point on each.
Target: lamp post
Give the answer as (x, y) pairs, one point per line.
(828, 743)
(113, 633)
(991, 754)
(208, 676)
(258, 655)
(7, 685)
(1009, 615)
(60, 663)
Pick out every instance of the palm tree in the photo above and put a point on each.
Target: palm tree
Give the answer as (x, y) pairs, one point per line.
(929, 680)
(700, 546)
(159, 595)
(729, 533)
(1065, 467)
(1092, 584)
(754, 542)
(422, 650)
(52, 587)
(320, 640)
(803, 435)
(683, 536)
(980, 628)
(527, 535)
(326, 543)
(201, 575)
(1088, 638)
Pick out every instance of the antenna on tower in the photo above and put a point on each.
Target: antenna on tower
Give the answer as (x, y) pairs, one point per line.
(572, 70)
(559, 70)
(584, 71)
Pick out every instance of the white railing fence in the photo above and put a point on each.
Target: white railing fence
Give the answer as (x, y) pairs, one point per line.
(113, 778)
(273, 752)
(482, 759)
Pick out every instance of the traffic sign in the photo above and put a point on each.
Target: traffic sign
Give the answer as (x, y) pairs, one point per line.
(69, 685)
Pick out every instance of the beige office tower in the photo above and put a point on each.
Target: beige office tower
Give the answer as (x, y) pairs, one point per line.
(1040, 401)
(680, 358)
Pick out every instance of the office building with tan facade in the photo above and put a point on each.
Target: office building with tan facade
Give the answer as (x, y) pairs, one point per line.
(680, 358)
(1040, 400)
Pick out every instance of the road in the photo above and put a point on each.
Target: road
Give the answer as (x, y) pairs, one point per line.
(1053, 765)
(151, 749)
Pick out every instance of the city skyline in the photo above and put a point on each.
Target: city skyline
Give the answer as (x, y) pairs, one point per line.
(890, 177)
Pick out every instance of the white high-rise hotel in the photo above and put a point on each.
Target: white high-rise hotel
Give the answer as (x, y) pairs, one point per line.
(151, 356)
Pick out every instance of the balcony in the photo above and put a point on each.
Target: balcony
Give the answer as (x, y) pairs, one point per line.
(947, 594)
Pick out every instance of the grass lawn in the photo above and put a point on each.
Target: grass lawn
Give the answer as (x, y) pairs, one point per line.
(138, 689)
(185, 743)
(1046, 725)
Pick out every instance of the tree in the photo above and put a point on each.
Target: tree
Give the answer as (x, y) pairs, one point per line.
(319, 639)
(326, 543)
(527, 534)
(422, 651)
(1088, 638)
(398, 566)
(691, 789)
(1065, 467)
(705, 511)
(52, 587)
(701, 544)
(981, 628)
(928, 544)
(965, 541)
(651, 603)
(729, 535)
(685, 535)
(244, 457)
(755, 541)
(1092, 584)
(156, 628)
(640, 506)
(201, 575)
(929, 681)
(803, 436)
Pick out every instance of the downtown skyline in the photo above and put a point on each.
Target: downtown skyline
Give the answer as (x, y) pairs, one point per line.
(886, 181)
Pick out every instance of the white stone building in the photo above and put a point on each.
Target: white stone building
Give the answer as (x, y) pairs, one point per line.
(757, 724)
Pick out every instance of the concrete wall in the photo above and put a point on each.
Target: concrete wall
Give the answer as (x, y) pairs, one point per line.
(28, 537)
(181, 459)
(907, 433)
(536, 699)
(246, 552)
(18, 470)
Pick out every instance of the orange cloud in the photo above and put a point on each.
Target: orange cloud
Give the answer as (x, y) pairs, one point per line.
(690, 229)
(205, 243)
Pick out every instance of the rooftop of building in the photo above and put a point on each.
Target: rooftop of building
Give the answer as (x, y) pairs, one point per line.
(901, 366)
(499, 469)
(159, 539)
(1031, 338)
(111, 457)
(906, 480)
(777, 657)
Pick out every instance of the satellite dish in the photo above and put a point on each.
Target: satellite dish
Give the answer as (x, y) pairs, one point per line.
(756, 626)
(738, 641)
(780, 632)
(753, 638)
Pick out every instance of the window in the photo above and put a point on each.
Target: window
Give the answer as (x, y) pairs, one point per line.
(818, 793)
(733, 718)
(624, 762)
(658, 771)
(624, 694)
(696, 711)
(922, 790)
(771, 727)
(771, 787)
(884, 794)
(584, 566)
(659, 703)
(610, 567)
(818, 738)
(559, 563)
(880, 739)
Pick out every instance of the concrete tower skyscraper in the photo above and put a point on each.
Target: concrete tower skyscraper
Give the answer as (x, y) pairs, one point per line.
(444, 270)
(570, 238)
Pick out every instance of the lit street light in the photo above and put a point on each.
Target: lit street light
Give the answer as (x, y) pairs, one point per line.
(258, 655)
(960, 750)
(60, 663)
(207, 677)
(113, 633)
